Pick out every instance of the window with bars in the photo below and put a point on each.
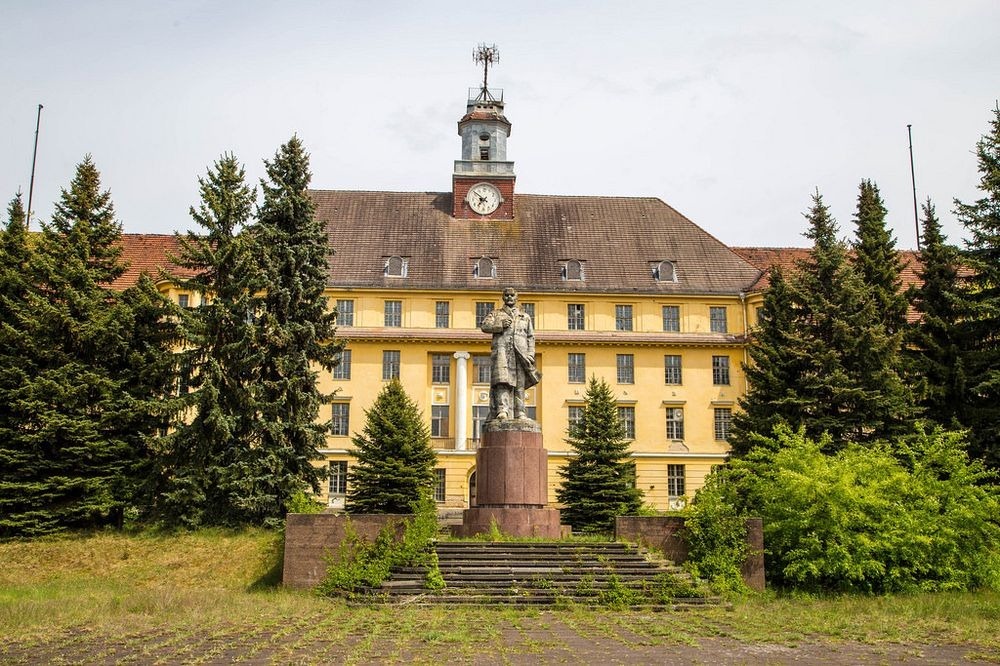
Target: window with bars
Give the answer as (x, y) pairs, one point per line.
(396, 267)
(625, 366)
(672, 369)
(575, 417)
(479, 415)
(343, 368)
(442, 314)
(626, 414)
(675, 423)
(390, 364)
(439, 484)
(577, 366)
(482, 369)
(340, 419)
(575, 316)
(717, 320)
(483, 309)
(675, 481)
(720, 370)
(723, 419)
(623, 317)
(672, 318)
(529, 309)
(440, 368)
(338, 477)
(393, 314)
(345, 312)
(439, 420)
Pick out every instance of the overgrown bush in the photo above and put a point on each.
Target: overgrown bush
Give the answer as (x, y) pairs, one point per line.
(914, 515)
(716, 535)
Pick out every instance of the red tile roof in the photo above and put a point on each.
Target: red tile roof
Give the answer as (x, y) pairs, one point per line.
(146, 253)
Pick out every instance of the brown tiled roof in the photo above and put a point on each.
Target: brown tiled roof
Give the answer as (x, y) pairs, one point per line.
(146, 253)
(787, 258)
(615, 237)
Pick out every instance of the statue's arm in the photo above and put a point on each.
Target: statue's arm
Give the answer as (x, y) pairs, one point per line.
(491, 323)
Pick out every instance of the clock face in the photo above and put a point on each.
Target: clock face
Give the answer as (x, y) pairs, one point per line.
(484, 198)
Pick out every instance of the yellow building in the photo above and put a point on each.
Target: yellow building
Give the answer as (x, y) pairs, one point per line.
(626, 289)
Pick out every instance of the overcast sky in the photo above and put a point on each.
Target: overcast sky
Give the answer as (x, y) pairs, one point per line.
(732, 112)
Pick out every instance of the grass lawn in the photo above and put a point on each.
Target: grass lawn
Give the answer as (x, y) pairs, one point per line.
(214, 596)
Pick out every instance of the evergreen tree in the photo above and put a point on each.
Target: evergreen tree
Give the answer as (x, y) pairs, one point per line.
(877, 260)
(980, 327)
(217, 414)
(296, 332)
(67, 415)
(933, 349)
(395, 461)
(773, 372)
(597, 483)
(849, 386)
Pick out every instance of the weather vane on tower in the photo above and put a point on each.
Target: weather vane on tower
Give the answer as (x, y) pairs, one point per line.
(488, 54)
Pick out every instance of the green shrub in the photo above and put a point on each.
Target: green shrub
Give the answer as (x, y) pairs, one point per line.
(300, 502)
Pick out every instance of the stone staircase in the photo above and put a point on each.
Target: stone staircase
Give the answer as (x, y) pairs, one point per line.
(546, 573)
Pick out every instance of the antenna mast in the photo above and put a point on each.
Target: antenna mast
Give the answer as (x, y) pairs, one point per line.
(34, 156)
(488, 54)
(913, 180)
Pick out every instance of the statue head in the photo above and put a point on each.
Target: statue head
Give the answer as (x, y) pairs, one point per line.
(510, 297)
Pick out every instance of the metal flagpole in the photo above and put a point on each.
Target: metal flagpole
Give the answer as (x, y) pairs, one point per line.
(34, 156)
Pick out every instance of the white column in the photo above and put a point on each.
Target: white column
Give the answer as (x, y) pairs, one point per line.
(461, 400)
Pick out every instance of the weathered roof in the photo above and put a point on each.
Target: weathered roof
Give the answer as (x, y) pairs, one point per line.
(616, 238)
(146, 253)
(787, 258)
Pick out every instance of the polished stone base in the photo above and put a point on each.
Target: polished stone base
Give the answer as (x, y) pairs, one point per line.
(512, 521)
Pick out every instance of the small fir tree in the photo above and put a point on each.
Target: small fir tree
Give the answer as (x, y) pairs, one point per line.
(395, 461)
(877, 260)
(980, 327)
(598, 482)
(933, 342)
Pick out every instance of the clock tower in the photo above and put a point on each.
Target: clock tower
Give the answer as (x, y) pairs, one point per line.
(483, 180)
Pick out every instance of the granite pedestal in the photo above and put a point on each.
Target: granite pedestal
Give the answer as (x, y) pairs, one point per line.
(512, 483)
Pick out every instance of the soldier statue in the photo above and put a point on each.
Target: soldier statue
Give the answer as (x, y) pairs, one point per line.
(512, 358)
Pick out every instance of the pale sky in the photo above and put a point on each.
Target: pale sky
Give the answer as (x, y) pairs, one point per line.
(732, 112)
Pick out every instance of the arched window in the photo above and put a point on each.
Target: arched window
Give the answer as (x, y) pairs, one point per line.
(484, 268)
(664, 272)
(395, 267)
(573, 270)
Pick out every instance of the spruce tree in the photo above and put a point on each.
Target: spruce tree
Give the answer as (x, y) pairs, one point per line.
(980, 328)
(773, 372)
(936, 366)
(876, 258)
(217, 412)
(597, 483)
(395, 461)
(296, 334)
(70, 412)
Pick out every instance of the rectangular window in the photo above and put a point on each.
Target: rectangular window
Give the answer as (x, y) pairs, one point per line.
(675, 481)
(440, 368)
(531, 413)
(630, 475)
(623, 317)
(439, 420)
(439, 484)
(479, 416)
(577, 364)
(720, 370)
(343, 368)
(625, 365)
(345, 312)
(627, 416)
(672, 318)
(340, 421)
(672, 368)
(482, 309)
(675, 423)
(575, 316)
(481, 369)
(723, 418)
(442, 314)
(390, 364)
(338, 478)
(575, 416)
(185, 374)
(717, 320)
(183, 300)
(394, 314)
(529, 309)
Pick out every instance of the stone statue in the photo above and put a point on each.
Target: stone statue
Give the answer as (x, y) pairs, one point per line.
(512, 358)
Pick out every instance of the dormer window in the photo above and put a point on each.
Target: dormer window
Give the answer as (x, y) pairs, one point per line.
(396, 267)
(572, 270)
(485, 268)
(663, 271)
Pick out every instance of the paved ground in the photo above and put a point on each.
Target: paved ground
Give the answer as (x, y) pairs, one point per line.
(546, 639)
